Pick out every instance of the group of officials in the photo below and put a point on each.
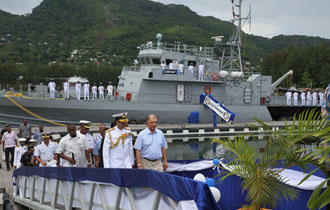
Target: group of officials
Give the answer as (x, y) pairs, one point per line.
(175, 65)
(96, 90)
(111, 148)
(306, 98)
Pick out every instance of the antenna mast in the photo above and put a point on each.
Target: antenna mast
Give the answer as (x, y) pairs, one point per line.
(231, 53)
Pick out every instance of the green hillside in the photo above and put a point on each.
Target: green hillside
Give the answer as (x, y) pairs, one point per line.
(84, 33)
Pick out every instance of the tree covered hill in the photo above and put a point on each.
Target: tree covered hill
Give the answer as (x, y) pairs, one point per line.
(107, 32)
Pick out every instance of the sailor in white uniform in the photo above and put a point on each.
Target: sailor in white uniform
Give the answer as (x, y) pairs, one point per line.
(66, 86)
(181, 68)
(308, 98)
(314, 96)
(94, 92)
(85, 125)
(44, 152)
(19, 151)
(78, 89)
(191, 68)
(52, 87)
(163, 65)
(118, 145)
(101, 91)
(321, 95)
(86, 91)
(171, 65)
(303, 98)
(295, 98)
(288, 95)
(201, 72)
(110, 91)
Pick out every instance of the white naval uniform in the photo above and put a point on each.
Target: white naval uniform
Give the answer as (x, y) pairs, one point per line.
(201, 72)
(308, 98)
(171, 66)
(94, 92)
(295, 99)
(303, 99)
(78, 88)
(19, 151)
(86, 91)
(74, 145)
(288, 98)
(52, 87)
(191, 68)
(163, 66)
(181, 68)
(321, 95)
(45, 153)
(110, 91)
(90, 140)
(101, 92)
(314, 96)
(120, 156)
(66, 86)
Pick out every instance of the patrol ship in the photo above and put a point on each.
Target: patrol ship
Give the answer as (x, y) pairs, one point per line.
(148, 88)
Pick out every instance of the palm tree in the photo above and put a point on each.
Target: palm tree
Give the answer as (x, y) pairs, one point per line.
(261, 170)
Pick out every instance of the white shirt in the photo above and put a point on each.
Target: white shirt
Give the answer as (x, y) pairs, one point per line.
(89, 138)
(308, 95)
(120, 156)
(295, 95)
(74, 145)
(9, 139)
(171, 66)
(321, 95)
(302, 96)
(163, 65)
(288, 94)
(66, 86)
(181, 66)
(46, 153)
(110, 89)
(191, 68)
(19, 151)
(101, 89)
(86, 87)
(314, 95)
(201, 67)
(94, 89)
(78, 86)
(51, 85)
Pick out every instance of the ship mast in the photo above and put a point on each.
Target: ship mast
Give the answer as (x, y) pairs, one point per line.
(231, 51)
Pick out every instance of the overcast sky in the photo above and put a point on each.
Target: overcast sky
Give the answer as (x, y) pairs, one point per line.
(269, 17)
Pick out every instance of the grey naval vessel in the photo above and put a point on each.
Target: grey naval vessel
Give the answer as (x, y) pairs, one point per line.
(146, 87)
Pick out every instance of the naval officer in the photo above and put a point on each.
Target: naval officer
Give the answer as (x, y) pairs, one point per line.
(85, 125)
(303, 98)
(110, 90)
(94, 92)
(118, 145)
(44, 152)
(101, 91)
(66, 86)
(201, 71)
(86, 91)
(52, 87)
(78, 88)
(19, 151)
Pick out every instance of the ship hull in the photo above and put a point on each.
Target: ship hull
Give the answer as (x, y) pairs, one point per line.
(101, 111)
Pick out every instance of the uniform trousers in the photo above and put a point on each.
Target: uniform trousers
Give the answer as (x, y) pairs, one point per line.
(295, 101)
(86, 95)
(154, 165)
(78, 95)
(66, 94)
(52, 93)
(10, 150)
(94, 95)
(200, 75)
(288, 101)
(101, 94)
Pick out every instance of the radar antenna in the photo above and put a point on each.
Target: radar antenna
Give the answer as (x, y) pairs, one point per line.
(231, 51)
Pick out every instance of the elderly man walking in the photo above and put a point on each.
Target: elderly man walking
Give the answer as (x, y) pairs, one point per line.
(151, 147)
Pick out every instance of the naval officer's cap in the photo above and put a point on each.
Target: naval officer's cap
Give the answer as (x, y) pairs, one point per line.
(22, 139)
(86, 123)
(45, 135)
(121, 117)
(33, 141)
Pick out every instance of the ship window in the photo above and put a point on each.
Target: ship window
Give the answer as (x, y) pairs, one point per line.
(168, 61)
(151, 75)
(142, 60)
(192, 62)
(155, 60)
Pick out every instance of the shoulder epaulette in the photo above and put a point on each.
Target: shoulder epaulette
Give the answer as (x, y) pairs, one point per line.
(128, 128)
(111, 129)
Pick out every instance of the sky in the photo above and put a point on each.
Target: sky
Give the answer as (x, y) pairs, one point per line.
(269, 17)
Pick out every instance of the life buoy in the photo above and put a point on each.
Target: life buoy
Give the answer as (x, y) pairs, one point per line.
(207, 90)
(214, 76)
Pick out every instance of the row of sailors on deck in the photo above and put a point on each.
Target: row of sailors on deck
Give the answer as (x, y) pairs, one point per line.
(86, 88)
(175, 65)
(306, 99)
(111, 148)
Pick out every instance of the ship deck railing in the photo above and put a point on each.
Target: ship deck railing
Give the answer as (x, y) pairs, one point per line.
(181, 48)
(99, 188)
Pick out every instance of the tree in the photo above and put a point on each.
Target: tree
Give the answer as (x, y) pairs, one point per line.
(263, 183)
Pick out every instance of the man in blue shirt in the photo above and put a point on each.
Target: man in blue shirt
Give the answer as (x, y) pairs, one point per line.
(151, 147)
